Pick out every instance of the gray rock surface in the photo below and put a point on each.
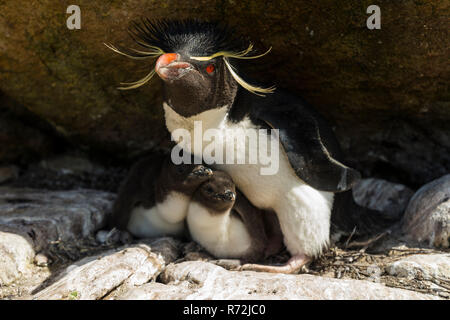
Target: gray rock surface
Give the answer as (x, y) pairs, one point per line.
(67, 164)
(47, 216)
(16, 255)
(96, 276)
(30, 220)
(427, 217)
(428, 267)
(203, 280)
(382, 195)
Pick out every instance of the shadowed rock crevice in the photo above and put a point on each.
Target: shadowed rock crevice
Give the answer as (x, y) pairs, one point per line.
(385, 91)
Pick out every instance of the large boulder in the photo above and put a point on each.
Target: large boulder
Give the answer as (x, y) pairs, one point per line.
(195, 280)
(43, 217)
(377, 194)
(427, 217)
(385, 90)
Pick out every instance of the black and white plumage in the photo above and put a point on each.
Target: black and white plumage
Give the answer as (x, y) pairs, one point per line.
(222, 220)
(154, 198)
(195, 60)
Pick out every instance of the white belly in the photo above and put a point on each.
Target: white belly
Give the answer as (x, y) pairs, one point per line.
(147, 223)
(222, 235)
(164, 219)
(174, 207)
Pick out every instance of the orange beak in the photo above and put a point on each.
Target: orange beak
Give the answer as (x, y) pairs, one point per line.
(168, 67)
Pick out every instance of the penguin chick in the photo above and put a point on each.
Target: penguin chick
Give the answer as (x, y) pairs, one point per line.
(149, 207)
(222, 220)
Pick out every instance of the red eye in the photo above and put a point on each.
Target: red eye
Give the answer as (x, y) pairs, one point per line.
(210, 68)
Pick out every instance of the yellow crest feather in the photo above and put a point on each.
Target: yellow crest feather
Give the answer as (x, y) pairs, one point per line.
(229, 54)
(253, 89)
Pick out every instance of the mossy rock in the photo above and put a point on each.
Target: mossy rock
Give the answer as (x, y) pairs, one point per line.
(385, 91)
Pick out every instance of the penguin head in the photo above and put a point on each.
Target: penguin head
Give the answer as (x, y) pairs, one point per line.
(194, 60)
(192, 87)
(185, 178)
(218, 193)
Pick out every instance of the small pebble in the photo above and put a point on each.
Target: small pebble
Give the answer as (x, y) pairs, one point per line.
(102, 236)
(41, 260)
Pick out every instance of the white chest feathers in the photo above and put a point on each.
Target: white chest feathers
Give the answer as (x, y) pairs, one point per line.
(223, 235)
(164, 219)
(174, 207)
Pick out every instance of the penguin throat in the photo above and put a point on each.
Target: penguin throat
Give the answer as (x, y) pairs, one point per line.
(210, 119)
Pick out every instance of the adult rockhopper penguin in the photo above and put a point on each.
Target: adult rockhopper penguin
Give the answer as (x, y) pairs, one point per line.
(195, 60)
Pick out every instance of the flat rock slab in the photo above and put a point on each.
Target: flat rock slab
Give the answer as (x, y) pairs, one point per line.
(382, 195)
(428, 267)
(116, 270)
(46, 216)
(427, 217)
(32, 219)
(203, 280)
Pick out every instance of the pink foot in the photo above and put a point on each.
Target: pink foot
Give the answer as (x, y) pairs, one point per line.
(293, 266)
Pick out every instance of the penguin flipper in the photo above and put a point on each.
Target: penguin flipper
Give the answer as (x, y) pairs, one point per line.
(138, 187)
(302, 136)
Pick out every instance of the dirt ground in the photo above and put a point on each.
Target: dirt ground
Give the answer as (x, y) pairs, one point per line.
(359, 265)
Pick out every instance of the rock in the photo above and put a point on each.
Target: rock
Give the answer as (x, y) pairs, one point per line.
(383, 90)
(67, 164)
(113, 236)
(67, 172)
(30, 220)
(168, 247)
(20, 140)
(116, 270)
(8, 173)
(45, 216)
(202, 280)
(427, 217)
(382, 195)
(16, 255)
(94, 277)
(41, 260)
(428, 267)
(156, 291)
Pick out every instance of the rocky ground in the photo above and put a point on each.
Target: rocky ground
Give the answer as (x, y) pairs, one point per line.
(51, 212)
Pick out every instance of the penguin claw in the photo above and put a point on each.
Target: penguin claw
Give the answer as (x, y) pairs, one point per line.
(229, 264)
(203, 171)
(293, 266)
(114, 236)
